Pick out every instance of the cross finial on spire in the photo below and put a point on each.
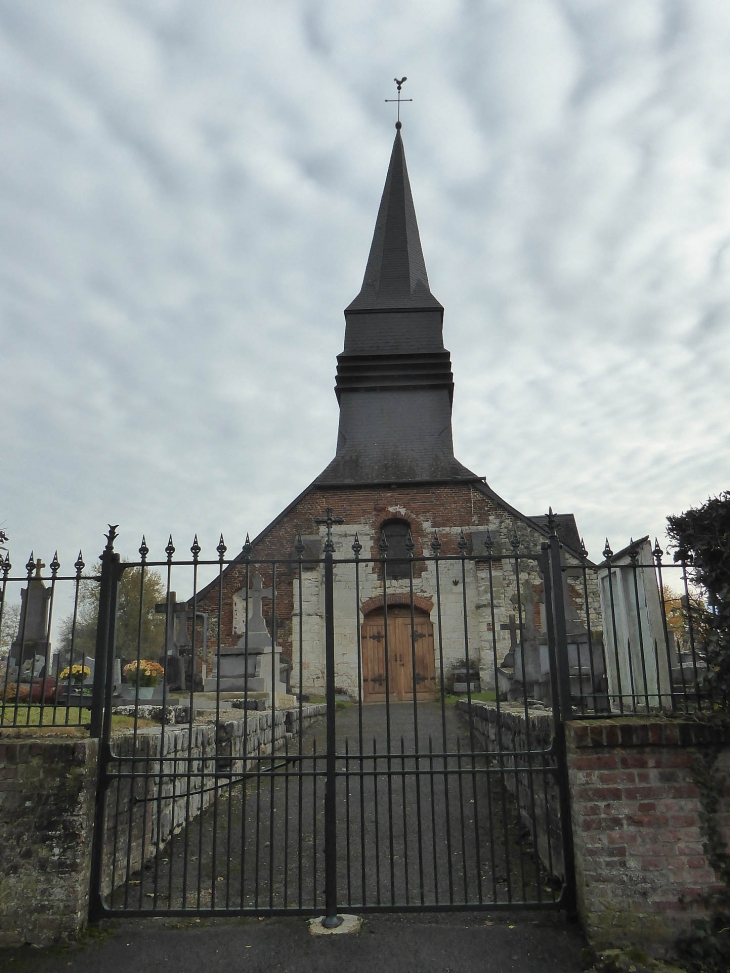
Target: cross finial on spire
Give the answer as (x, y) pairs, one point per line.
(398, 100)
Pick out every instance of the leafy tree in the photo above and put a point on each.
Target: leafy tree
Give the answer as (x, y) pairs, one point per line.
(10, 623)
(702, 539)
(674, 612)
(131, 610)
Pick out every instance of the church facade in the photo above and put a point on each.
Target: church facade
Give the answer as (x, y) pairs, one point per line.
(395, 485)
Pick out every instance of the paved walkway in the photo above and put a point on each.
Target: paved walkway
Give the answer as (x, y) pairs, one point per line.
(442, 943)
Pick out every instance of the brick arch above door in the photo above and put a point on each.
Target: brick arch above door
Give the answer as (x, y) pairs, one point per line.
(419, 601)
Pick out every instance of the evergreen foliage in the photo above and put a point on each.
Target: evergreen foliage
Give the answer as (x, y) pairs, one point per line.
(702, 539)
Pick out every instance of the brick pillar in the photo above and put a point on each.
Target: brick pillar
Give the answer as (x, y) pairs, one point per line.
(640, 864)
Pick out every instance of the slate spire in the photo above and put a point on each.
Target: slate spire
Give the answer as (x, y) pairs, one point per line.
(394, 381)
(395, 275)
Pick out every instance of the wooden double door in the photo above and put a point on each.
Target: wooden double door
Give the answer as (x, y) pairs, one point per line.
(404, 642)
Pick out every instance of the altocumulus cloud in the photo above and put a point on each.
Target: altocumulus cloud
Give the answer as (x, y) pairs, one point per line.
(187, 194)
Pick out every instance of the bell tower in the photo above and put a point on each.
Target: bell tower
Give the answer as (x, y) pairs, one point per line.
(394, 380)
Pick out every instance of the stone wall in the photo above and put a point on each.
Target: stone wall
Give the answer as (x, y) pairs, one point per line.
(534, 788)
(47, 792)
(47, 796)
(637, 815)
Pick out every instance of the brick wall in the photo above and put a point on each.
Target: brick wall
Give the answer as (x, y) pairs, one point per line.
(445, 508)
(46, 818)
(641, 868)
(640, 864)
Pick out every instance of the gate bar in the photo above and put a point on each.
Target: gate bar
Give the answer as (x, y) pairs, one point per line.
(331, 919)
(560, 686)
(101, 711)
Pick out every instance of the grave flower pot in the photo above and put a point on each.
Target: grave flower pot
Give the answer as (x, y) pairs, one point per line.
(144, 676)
(77, 673)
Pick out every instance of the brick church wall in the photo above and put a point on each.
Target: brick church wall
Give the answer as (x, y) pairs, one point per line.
(444, 508)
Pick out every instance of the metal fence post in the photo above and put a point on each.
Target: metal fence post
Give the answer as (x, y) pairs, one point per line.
(104, 632)
(331, 920)
(561, 633)
(560, 687)
(101, 709)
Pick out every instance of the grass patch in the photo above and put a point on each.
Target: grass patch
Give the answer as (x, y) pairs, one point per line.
(49, 721)
(47, 716)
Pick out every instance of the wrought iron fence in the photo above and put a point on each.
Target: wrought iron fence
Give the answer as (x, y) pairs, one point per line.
(361, 784)
(631, 630)
(291, 740)
(36, 687)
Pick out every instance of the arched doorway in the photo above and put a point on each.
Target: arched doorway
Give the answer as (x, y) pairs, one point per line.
(403, 644)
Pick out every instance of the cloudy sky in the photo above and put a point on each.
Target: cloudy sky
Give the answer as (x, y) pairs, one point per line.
(187, 196)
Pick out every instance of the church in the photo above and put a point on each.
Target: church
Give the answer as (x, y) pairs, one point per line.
(393, 484)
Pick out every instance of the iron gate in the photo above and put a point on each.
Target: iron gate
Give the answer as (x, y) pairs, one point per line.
(369, 784)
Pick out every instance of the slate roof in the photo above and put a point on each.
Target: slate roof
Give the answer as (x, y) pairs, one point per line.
(565, 527)
(394, 380)
(395, 275)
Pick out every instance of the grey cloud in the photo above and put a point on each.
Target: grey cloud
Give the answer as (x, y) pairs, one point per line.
(189, 194)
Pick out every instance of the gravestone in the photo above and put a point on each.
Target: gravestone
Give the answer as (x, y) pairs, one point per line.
(531, 672)
(252, 663)
(585, 659)
(177, 643)
(31, 645)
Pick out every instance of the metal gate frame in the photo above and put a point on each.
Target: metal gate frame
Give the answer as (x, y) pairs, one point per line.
(551, 568)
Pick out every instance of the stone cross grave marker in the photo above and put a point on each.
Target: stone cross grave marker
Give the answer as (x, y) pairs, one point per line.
(176, 637)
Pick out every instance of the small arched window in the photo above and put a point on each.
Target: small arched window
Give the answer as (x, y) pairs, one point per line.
(396, 533)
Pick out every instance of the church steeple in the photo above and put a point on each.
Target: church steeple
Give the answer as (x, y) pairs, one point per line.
(395, 276)
(394, 381)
